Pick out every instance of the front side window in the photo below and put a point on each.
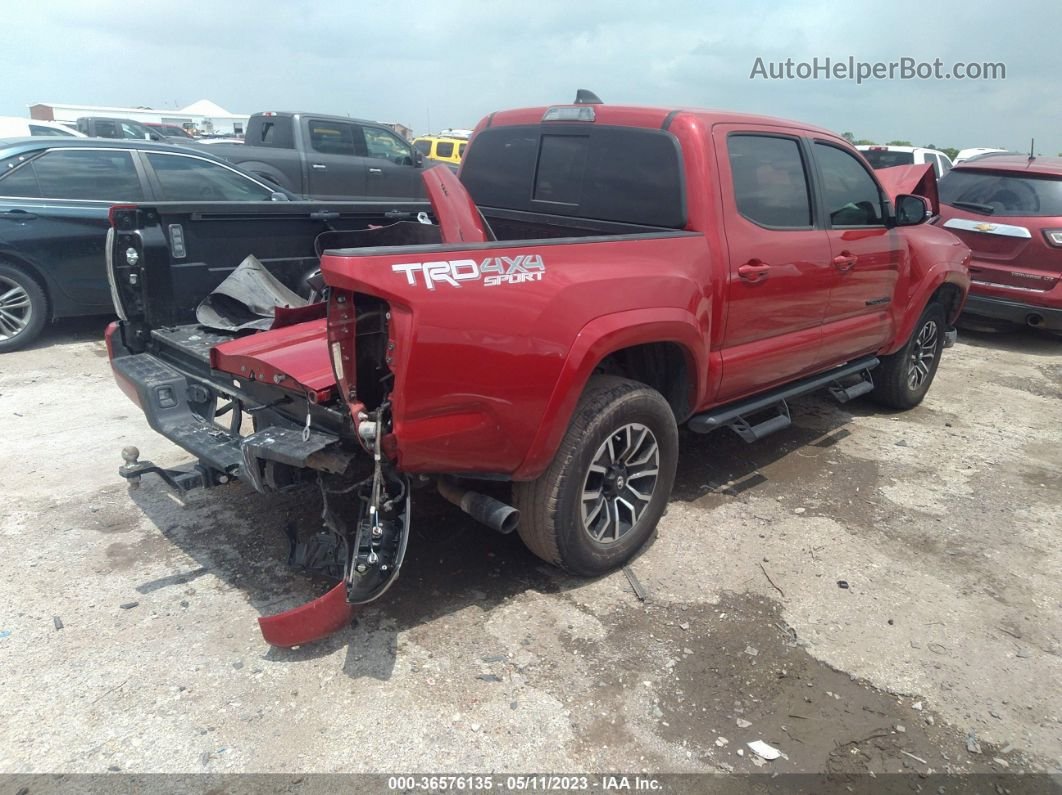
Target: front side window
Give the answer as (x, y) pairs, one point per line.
(185, 179)
(93, 174)
(384, 145)
(424, 147)
(332, 138)
(461, 150)
(135, 131)
(851, 195)
(770, 182)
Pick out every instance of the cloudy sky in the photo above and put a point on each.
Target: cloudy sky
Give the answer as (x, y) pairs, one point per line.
(445, 64)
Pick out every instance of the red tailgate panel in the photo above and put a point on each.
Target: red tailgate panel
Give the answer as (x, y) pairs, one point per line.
(294, 357)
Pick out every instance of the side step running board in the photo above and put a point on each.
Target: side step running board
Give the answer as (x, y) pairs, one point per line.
(735, 415)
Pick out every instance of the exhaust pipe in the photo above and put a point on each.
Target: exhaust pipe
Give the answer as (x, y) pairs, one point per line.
(1035, 320)
(495, 514)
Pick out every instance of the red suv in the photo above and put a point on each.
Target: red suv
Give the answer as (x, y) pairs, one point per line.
(1008, 209)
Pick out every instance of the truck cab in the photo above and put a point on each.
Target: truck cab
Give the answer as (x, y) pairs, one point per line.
(100, 127)
(328, 157)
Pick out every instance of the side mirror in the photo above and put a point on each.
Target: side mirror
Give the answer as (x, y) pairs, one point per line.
(911, 210)
(418, 158)
(277, 196)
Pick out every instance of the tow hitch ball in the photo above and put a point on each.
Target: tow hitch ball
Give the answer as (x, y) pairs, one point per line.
(180, 480)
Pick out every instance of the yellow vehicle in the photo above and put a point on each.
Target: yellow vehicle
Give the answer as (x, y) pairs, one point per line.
(441, 148)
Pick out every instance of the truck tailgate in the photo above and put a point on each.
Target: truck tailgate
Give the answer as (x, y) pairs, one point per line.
(292, 357)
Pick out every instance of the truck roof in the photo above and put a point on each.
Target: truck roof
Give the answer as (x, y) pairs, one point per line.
(640, 116)
(288, 114)
(1008, 161)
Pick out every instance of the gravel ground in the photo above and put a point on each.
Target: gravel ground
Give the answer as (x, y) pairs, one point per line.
(865, 591)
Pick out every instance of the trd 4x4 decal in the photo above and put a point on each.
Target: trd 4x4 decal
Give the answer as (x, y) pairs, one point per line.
(492, 271)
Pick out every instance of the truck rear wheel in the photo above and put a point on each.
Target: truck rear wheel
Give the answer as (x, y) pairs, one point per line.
(609, 482)
(904, 377)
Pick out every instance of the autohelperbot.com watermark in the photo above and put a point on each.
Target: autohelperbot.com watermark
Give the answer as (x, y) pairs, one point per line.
(851, 68)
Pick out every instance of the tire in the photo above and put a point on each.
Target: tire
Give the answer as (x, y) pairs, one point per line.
(23, 308)
(609, 446)
(903, 378)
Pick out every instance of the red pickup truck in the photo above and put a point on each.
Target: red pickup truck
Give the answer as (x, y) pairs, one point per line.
(597, 276)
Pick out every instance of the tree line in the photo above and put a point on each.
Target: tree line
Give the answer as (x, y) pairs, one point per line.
(950, 151)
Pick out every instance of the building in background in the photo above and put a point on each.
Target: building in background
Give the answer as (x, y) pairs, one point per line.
(202, 117)
(399, 128)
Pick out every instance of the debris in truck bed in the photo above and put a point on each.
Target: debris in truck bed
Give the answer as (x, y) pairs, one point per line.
(247, 300)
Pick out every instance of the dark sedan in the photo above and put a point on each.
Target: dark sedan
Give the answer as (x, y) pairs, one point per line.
(54, 197)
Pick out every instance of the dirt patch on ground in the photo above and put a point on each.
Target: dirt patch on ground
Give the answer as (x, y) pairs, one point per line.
(944, 522)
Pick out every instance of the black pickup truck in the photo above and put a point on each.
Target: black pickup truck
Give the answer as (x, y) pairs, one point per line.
(327, 157)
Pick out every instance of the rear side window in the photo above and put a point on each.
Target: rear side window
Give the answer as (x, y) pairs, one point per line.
(882, 158)
(444, 149)
(333, 138)
(851, 195)
(19, 182)
(1002, 194)
(624, 174)
(461, 150)
(185, 179)
(98, 174)
(770, 181)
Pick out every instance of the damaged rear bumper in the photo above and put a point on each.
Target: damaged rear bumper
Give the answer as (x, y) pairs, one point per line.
(266, 458)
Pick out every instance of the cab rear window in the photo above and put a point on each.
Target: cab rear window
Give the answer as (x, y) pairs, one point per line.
(1002, 193)
(880, 158)
(617, 174)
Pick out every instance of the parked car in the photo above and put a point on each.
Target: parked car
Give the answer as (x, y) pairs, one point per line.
(99, 127)
(600, 275)
(441, 148)
(174, 132)
(54, 198)
(327, 157)
(15, 127)
(1008, 209)
(889, 156)
(966, 154)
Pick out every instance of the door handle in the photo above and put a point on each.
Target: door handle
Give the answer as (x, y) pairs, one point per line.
(754, 271)
(844, 262)
(18, 215)
(320, 166)
(375, 170)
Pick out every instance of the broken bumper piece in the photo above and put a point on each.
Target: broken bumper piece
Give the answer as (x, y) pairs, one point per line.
(309, 622)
